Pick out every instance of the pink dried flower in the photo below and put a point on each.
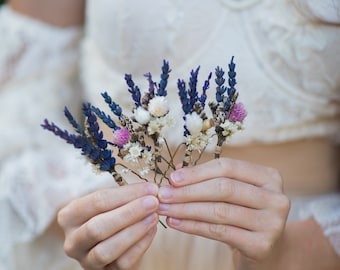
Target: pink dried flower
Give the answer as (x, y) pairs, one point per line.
(121, 137)
(238, 113)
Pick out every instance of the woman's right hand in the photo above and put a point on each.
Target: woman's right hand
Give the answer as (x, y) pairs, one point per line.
(111, 228)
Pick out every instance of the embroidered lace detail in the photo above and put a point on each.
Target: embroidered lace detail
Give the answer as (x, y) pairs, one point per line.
(298, 58)
(288, 75)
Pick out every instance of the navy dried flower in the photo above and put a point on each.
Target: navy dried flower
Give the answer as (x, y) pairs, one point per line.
(164, 79)
(133, 90)
(115, 108)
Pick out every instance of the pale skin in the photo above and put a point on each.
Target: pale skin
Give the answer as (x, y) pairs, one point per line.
(215, 200)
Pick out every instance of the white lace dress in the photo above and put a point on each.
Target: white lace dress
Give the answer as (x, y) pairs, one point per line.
(288, 77)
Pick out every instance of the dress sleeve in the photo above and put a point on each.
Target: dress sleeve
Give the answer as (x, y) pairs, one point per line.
(38, 172)
(325, 210)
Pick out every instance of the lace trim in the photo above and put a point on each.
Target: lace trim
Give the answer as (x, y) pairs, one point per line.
(25, 41)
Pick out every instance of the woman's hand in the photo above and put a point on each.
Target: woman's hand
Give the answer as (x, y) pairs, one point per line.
(235, 202)
(111, 228)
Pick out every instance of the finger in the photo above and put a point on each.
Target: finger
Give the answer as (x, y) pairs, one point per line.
(82, 209)
(224, 167)
(217, 190)
(105, 225)
(133, 255)
(109, 250)
(231, 235)
(216, 213)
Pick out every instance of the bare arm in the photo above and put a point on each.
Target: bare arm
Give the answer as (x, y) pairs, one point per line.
(61, 13)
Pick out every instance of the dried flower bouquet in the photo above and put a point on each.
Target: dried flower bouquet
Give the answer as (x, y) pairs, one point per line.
(138, 140)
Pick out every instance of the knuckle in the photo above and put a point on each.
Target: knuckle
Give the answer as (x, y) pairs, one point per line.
(275, 177)
(277, 225)
(227, 188)
(124, 263)
(282, 203)
(62, 217)
(265, 247)
(99, 201)
(218, 231)
(69, 248)
(226, 164)
(220, 211)
(100, 257)
(93, 230)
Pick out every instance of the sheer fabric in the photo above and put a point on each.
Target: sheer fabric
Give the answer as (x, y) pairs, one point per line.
(39, 69)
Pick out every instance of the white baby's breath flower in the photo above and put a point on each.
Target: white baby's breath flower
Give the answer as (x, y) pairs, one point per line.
(194, 123)
(198, 142)
(134, 152)
(169, 121)
(154, 126)
(125, 171)
(229, 128)
(161, 140)
(158, 106)
(143, 171)
(142, 116)
(147, 157)
(127, 146)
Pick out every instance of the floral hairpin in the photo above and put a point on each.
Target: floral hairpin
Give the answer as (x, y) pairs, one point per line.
(138, 139)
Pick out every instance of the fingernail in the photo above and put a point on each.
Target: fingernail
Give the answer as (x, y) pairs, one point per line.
(151, 189)
(150, 203)
(165, 192)
(174, 221)
(177, 176)
(164, 206)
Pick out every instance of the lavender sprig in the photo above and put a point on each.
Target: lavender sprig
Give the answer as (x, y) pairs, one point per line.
(105, 118)
(115, 108)
(224, 105)
(195, 127)
(72, 121)
(133, 90)
(92, 143)
(164, 79)
(152, 85)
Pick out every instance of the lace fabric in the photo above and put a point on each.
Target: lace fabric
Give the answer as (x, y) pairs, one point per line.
(287, 73)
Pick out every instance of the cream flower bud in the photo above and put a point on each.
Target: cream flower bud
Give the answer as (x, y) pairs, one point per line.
(158, 106)
(142, 116)
(193, 123)
(207, 123)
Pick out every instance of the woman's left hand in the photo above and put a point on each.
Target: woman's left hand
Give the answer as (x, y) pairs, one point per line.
(236, 202)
